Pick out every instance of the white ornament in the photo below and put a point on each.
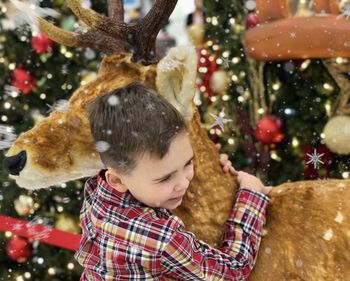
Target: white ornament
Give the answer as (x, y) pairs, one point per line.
(337, 134)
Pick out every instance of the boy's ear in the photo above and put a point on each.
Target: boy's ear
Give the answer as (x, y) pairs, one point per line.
(176, 79)
(114, 180)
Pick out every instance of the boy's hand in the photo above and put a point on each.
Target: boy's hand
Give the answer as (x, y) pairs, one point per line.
(244, 179)
(225, 163)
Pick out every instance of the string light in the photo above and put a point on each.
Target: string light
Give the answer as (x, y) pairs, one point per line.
(276, 86)
(345, 175)
(261, 111)
(275, 156)
(51, 271)
(328, 87)
(295, 142)
(234, 78)
(328, 107)
(27, 275)
(231, 141)
(236, 60)
(70, 266)
(305, 64)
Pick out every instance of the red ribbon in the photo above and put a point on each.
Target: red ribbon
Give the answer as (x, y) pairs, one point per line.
(42, 233)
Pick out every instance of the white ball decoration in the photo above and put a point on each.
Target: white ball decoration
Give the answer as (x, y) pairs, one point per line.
(337, 134)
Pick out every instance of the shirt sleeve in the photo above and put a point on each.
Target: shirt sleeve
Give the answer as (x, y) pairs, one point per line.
(187, 258)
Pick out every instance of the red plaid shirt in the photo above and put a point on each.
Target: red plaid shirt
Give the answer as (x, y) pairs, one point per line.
(123, 239)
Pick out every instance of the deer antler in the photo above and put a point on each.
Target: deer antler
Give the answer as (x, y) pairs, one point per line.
(108, 34)
(116, 10)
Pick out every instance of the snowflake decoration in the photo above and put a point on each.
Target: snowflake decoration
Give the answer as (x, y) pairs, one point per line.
(221, 121)
(29, 13)
(226, 61)
(6, 136)
(346, 13)
(315, 158)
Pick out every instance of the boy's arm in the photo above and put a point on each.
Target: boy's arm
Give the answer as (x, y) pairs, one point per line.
(187, 258)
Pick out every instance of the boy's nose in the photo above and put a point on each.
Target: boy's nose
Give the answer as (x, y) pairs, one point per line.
(183, 185)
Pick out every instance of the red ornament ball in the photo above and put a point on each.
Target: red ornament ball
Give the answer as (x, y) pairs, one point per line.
(268, 130)
(251, 21)
(42, 44)
(23, 80)
(19, 249)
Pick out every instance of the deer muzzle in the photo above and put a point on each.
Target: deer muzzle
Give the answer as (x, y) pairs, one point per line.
(14, 164)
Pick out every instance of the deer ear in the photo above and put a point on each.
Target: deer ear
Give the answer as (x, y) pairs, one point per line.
(176, 79)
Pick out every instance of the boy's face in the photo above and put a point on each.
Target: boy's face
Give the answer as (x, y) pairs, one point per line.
(150, 182)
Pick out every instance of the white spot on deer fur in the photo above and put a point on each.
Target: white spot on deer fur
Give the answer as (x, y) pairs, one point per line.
(113, 100)
(299, 263)
(268, 250)
(102, 146)
(339, 218)
(328, 235)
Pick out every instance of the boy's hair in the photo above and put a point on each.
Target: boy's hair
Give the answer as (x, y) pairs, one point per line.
(130, 121)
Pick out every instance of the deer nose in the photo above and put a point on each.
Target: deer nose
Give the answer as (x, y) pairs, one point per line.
(15, 164)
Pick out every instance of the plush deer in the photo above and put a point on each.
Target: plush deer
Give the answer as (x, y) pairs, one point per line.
(307, 233)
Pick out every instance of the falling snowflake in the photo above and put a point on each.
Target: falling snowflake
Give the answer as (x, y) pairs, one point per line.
(102, 146)
(6, 136)
(315, 158)
(113, 100)
(221, 121)
(122, 164)
(61, 106)
(64, 69)
(29, 13)
(293, 35)
(150, 106)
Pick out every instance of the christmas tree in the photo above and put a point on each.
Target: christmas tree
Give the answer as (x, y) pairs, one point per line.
(273, 113)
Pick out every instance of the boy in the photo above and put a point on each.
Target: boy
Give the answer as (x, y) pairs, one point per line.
(129, 232)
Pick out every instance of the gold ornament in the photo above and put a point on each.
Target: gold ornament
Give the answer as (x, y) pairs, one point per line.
(24, 205)
(218, 82)
(196, 34)
(337, 134)
(67, 223)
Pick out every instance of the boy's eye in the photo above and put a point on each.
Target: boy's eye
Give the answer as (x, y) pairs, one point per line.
(166, 179)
